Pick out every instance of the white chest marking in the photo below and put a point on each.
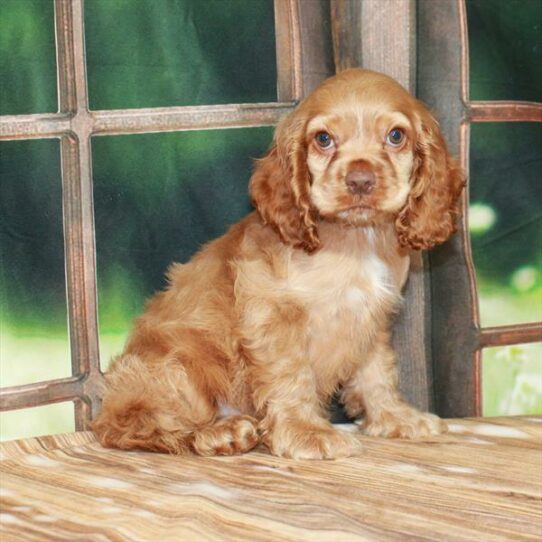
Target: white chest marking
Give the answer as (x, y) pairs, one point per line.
(354, 296)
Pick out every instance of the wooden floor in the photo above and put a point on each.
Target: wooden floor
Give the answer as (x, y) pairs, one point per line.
(482, 481)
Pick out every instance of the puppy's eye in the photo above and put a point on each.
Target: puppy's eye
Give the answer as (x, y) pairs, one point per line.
(395, 137)
(324, 140)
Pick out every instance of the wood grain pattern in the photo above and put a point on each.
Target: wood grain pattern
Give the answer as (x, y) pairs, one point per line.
(482, 481)
(288, 49)
(316, 44)
(388, 38)
(345, 27)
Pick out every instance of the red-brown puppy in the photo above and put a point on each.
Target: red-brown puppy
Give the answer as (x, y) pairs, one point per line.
(256, 333)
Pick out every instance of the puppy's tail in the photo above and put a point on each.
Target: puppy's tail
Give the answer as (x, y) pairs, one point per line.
(149, 407)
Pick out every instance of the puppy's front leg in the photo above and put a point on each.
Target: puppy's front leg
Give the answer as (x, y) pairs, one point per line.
(283, 384)
(373, 389)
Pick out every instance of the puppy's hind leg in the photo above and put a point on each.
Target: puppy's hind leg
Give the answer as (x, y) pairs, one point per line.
(152, 406)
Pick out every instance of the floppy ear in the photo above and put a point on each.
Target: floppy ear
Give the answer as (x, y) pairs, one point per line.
(280, 185)
(429, 216)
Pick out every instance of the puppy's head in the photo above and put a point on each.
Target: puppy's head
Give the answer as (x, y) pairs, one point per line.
(359, 150)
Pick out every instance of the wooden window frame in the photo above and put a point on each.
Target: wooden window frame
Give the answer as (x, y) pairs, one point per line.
(438, 336)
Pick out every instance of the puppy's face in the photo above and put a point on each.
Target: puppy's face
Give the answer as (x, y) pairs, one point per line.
(360, 156)
(359, 150)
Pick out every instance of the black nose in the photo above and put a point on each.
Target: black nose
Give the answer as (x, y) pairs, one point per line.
(360, 182)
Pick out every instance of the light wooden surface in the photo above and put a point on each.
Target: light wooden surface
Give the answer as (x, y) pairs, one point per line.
(482, 481)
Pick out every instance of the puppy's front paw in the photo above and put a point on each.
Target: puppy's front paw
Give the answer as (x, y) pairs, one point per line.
(307, 441)
(404, 422)
(228, 436)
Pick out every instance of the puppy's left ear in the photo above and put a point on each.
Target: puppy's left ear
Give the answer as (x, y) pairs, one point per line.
(429, 216)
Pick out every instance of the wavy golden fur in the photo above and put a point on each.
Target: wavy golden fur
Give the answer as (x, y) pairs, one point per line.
(256, 333)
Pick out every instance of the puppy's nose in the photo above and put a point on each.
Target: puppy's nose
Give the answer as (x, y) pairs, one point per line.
(360, 182)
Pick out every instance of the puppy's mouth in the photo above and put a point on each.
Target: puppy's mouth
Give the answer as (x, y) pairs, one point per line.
(357, 212)
(362, 213)
(358, 207)
(362, 207)
(359, 203)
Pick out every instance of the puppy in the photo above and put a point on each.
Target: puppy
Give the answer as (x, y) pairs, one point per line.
(257, 332)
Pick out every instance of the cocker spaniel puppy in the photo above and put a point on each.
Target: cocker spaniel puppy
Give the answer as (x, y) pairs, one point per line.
(257, 332)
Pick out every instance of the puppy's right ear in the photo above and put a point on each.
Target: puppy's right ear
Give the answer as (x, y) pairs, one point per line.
(279, 187)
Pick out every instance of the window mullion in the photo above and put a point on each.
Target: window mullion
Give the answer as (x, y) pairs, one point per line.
(288, 47)
(511, 334)
(79, 238)
(204, 117)
(504, 111)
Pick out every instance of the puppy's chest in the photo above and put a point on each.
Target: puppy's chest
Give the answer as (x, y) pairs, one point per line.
(343, 292)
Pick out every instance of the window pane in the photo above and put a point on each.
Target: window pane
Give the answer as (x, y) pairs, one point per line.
(505, 49)
(153, 53)
(512, 380)
(35, 422)
(158, 198)
(27, 57)
(506, 220)
(34, 342)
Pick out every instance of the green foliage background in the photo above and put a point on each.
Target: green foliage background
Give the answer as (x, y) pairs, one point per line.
(158, 197)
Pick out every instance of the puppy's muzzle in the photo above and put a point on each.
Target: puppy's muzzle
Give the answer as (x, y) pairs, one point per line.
(360, 181)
